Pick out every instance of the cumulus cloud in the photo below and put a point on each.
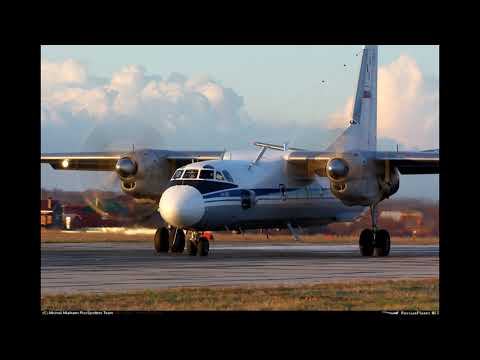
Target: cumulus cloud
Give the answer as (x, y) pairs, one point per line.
(67, 72)
(71, 95)
(408, 105)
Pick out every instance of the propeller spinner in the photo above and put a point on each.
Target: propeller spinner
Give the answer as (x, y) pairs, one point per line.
(126, 167)
(337, 169)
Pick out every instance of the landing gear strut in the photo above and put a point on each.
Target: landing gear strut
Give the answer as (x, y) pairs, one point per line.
(374, 242)
(177, 237)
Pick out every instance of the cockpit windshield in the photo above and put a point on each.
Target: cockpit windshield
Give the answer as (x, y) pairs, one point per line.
(190, 174)
(228, 176)
(206, 174)
(178, 174)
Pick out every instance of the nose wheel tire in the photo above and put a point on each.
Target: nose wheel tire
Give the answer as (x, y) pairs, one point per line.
(382, 243)
(203, 246)
(178, 243)
(366, 242)
(161, 240)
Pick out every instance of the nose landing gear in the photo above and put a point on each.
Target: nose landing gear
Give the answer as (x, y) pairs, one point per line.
(169, 239)
(174, 240)
(177, 240)
(374, 242)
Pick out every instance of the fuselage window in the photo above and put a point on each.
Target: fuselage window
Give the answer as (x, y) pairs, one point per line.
(206, 174)
(219, 176)
(178, 174)
(228, 176)
(190, 174)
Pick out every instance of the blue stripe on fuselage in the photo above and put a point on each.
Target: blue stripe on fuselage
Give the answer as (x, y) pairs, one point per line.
(237, 192)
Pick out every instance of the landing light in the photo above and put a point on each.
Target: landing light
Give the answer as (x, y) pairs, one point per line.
(65, 163)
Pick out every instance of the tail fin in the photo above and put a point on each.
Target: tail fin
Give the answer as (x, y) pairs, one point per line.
(362, 132)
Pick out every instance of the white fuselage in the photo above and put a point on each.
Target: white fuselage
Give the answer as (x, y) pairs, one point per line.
(260, 196)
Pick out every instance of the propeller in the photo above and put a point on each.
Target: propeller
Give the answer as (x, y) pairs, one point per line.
(120, 134)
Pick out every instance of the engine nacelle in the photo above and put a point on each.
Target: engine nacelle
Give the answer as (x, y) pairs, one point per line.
(144, 173)
(360, 181)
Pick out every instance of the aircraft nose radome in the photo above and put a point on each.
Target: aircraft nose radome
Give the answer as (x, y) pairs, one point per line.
(182, 206)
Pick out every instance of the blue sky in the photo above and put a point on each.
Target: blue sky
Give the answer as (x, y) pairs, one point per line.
(276, 94)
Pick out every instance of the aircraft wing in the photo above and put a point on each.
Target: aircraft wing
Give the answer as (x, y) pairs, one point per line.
(411, 163)
(408, 163)
(306, 164)
(88, 161)
(106, 161)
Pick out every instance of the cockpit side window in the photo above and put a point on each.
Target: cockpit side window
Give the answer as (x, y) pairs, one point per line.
(206, 174)
(219, 176)
(228, 176)
(178, 174)
(190, 174)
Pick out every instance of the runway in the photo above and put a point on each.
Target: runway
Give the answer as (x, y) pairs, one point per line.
(118, 267)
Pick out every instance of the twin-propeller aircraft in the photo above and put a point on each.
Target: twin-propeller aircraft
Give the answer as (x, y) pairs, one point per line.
(284, 188)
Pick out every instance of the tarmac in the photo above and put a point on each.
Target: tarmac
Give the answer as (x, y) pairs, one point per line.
(120, 267)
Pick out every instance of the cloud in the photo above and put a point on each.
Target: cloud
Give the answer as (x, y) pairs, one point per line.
(408, 105)
(71, 95)
(67, 72)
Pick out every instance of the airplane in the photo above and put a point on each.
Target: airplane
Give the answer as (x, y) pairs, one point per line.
(199, 191)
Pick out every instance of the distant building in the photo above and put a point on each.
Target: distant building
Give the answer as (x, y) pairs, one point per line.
(409, 222)
(408, 218)
(51, 213)
(81, 216)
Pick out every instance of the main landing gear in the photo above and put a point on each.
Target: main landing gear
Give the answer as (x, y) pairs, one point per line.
(174, 240)
(374, 242)
(197, 244)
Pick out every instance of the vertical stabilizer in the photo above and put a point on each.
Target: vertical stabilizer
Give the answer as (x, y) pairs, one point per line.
(362, 132)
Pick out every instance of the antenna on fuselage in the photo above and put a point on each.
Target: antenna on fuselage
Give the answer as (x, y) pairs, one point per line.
(259, 156)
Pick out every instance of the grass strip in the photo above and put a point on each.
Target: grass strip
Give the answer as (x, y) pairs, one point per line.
(364, 295)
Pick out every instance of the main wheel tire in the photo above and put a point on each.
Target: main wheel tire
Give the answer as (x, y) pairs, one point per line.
(382, 243)
(161, 240)
(203, 246)
(179, 241)
(191, 248)
(366, 242)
